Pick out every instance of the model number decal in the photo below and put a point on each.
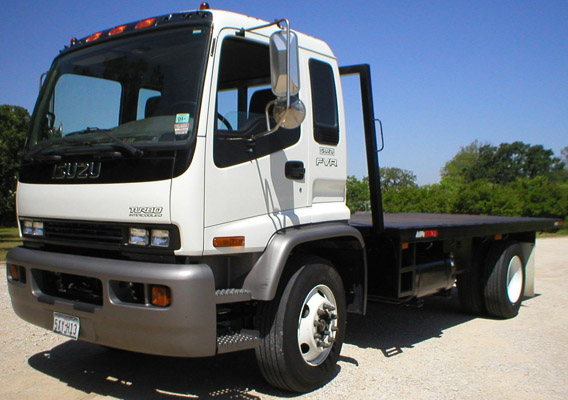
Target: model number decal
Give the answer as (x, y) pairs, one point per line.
(78, 170)
(146, 212)
(327, 151)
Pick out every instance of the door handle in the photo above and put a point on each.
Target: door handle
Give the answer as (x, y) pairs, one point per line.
(294, 170)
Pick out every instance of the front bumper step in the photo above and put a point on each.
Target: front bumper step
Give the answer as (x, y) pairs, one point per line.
(225, 296)
(235, 341)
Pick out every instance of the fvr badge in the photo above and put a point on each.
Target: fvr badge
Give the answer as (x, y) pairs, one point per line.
(326, 162)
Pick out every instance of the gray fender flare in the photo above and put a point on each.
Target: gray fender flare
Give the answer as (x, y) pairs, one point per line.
(262, 281)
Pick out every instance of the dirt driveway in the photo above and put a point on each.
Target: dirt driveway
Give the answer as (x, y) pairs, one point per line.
(435, 352)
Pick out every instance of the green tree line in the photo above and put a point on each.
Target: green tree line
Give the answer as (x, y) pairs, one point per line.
(512, 179)
(14, 123)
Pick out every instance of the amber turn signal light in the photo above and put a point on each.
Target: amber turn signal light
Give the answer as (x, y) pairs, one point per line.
(161, 296)
(14, 272)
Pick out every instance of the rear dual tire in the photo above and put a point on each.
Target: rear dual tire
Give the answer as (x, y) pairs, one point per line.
(505, 285)
(495, 284)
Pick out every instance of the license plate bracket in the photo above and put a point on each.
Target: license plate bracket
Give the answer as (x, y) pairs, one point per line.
(66, 325)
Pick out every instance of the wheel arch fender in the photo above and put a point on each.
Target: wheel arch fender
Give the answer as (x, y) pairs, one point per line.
(263, 279)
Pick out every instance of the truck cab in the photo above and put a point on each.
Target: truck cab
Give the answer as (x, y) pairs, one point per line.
(159, 125)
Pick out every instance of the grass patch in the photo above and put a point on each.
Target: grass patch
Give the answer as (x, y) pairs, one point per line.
(9, 238)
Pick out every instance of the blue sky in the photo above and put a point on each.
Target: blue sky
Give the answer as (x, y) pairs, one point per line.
(445, 73)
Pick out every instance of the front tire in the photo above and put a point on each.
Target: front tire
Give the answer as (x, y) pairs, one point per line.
(303, 328)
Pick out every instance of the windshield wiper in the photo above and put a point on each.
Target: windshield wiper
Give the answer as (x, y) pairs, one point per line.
(31, 155)
(126, 146)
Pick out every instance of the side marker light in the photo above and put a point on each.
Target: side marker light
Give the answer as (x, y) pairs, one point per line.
(230, 241)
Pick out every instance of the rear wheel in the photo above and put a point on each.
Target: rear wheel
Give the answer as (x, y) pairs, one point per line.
(303, 328)
(470, 290)
(505, 284)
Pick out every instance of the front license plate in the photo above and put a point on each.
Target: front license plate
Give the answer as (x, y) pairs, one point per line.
(66, 325)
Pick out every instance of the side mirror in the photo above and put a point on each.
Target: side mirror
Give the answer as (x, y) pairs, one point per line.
(289, 111)
(280, 72)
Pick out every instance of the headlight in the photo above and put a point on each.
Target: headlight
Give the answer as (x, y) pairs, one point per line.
(160, 238)
(37, 228)
(32, 228)
(138, 236)
(27, 227)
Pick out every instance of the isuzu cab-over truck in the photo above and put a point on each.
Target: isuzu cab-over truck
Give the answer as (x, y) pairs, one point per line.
(182, 193)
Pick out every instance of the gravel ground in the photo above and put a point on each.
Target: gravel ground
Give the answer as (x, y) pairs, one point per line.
(435, 352)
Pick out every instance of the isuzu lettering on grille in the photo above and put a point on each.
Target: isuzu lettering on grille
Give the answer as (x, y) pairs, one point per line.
(77, 170)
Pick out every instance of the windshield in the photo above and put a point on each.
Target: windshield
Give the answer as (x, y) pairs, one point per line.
(138, 90)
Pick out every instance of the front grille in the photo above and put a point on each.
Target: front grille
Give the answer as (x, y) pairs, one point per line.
(82, 232)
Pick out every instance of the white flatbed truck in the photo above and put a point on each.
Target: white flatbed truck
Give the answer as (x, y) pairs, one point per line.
(182, 194)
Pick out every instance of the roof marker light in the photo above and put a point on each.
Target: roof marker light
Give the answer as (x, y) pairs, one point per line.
(117, 30)
(93, 37)
(145, 23)
(204, 6)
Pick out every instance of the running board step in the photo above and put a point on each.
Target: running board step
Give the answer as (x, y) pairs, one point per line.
(224, 296)
(242, 340)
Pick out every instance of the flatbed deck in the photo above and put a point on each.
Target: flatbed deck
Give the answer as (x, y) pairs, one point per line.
(450, 226)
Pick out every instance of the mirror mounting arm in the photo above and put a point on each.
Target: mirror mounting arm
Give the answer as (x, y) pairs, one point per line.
(278, 22)
(241, 32)
(270, 130)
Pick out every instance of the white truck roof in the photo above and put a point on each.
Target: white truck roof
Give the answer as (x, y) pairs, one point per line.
(226, 19)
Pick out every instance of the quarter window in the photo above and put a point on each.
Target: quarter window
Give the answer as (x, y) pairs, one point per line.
(324, 103)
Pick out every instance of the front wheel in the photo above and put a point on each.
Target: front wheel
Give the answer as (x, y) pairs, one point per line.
(303, 328)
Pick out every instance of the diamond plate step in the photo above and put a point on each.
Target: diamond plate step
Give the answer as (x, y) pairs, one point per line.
(242, 340)
(224, 296)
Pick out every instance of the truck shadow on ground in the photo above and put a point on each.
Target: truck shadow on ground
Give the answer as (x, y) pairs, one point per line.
(94, 369)
(392, 328)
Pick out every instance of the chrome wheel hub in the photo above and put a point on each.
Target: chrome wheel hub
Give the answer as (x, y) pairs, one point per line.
(515, 279)
(317, 325)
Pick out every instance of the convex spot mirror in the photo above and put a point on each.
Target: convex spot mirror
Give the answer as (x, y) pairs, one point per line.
(289, 118)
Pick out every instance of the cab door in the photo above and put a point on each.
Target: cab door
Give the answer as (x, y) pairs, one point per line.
(247, 190)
